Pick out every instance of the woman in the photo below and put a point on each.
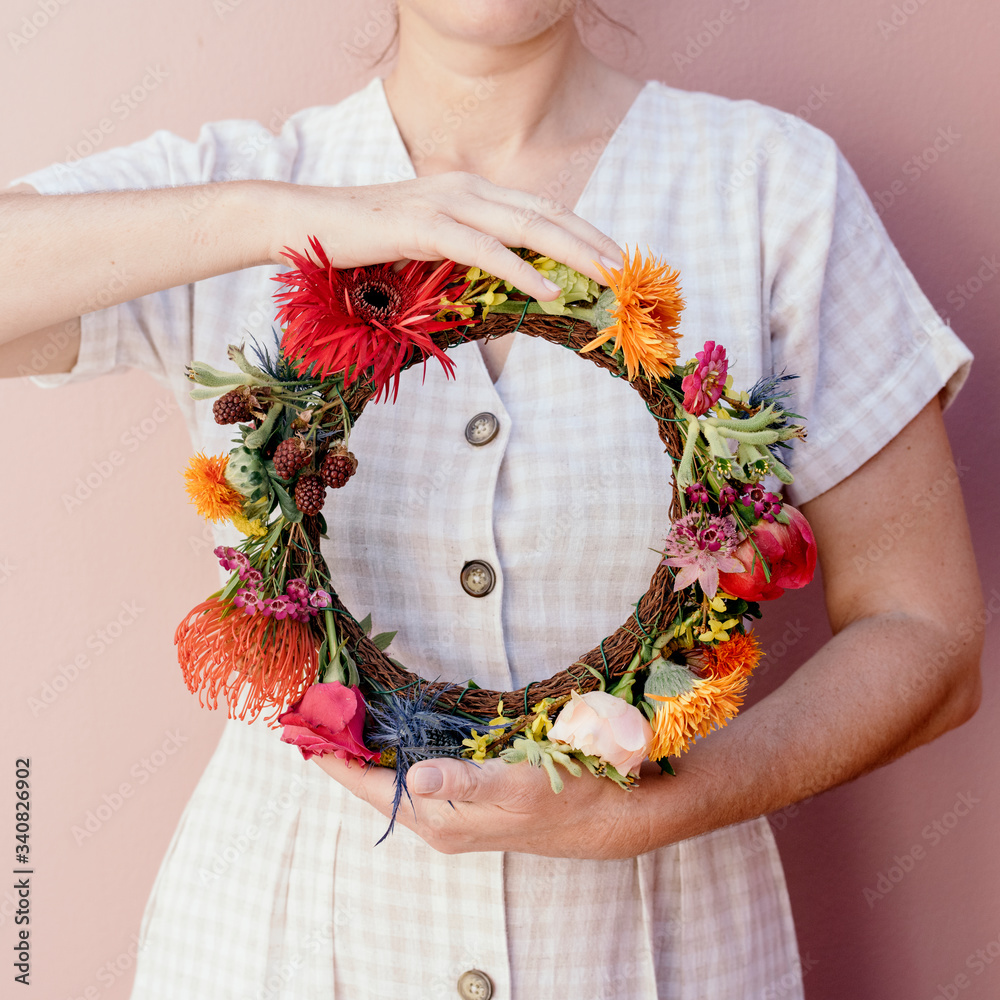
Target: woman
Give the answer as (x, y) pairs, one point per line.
(674, 890)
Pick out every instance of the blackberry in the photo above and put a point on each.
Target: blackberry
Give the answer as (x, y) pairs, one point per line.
(310, 494)
(290, 456)
(231, 408)
(337, 468)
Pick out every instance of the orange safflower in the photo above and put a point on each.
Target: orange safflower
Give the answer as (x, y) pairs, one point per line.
(205, 479)
(739, 654)
(647, 312)
(224, 651)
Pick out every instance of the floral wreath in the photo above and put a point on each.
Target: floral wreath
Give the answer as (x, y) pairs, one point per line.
(277, 636)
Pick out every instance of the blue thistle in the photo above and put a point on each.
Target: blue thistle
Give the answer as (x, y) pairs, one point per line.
(417, 730)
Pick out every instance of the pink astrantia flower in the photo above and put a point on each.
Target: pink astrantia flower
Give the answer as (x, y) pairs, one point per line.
(606, 727)
(702, 545)
(703, 387)
(329, 718)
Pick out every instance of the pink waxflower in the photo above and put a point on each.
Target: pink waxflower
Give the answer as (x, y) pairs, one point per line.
(329, 718)
(790, 552)
(605, 727)
(703, 387)
(702, 546)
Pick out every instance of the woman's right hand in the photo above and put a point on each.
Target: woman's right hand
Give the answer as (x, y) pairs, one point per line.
(458, 216)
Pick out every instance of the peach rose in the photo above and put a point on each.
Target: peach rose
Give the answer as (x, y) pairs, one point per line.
(606, 727)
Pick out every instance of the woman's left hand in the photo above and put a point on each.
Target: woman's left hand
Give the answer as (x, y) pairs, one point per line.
(458, 806)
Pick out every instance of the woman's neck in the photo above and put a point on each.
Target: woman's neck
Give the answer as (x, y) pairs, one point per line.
(512, 112)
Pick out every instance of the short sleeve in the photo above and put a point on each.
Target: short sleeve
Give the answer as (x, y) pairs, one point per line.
(846, 316)
(154, 332)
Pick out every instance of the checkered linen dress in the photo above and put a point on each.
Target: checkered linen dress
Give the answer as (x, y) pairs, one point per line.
(271, 888)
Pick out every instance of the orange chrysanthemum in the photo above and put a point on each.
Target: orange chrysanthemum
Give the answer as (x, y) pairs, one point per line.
(740, 654)
(646, 312)
(205, 479)
(268, 661)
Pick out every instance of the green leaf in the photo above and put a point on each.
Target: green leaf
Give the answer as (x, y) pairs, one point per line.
(383, 639)
(232, 585)
(258, 438)
(366, 624)
(666, 767)
(288, 509)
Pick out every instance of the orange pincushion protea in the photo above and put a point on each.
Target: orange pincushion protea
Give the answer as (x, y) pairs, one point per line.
(269, 661)
(647, 311)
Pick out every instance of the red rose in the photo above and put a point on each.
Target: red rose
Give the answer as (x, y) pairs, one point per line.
(329, 718)
(790, 552)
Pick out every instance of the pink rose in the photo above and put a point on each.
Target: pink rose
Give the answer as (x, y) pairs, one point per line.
(790, 551)
(329, 718)
(604, 726)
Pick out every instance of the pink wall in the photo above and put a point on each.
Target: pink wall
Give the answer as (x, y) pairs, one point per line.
(120, 730)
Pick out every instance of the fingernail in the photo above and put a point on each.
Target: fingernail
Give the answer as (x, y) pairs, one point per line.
(424, 780)
(610, 264)
(551, 285)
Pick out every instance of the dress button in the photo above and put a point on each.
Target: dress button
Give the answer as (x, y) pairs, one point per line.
(482, 429)
(477, 578)
(475, 985)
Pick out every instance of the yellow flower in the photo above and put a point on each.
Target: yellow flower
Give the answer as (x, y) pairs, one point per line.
(254, 528)
(478, 745)
(647, 312)
(717, 631)
(205, 479)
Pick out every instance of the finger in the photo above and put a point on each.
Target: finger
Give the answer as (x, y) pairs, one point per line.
(527, 207)
(376, 785)
(467, 245)
(448, 778)
(519, 219)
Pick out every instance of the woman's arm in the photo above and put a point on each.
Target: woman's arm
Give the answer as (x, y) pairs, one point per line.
(901, 669)
(65, 255)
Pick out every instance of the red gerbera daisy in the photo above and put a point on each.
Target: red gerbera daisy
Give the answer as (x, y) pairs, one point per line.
(365, 320)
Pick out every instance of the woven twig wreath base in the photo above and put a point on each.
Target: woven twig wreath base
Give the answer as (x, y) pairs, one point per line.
(611, 658)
